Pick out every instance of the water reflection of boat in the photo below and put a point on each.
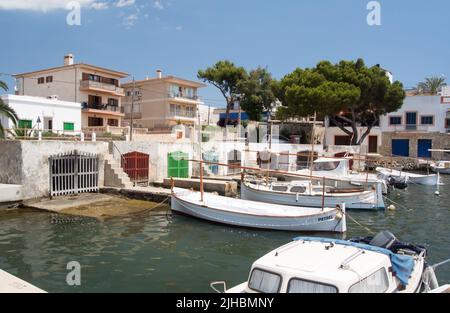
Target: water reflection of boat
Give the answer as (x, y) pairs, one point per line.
(379, 264)
(243, 213)
(304, 193)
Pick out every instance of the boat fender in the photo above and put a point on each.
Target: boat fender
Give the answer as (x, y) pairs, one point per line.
(296, 197)
(340, 213)
(392, 207)
(437, 193)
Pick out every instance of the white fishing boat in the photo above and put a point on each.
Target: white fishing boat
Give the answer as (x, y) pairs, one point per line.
(339, 172)
(417, 179)
(251, 214)
(304, 193)
(441, 167)
(362, 265)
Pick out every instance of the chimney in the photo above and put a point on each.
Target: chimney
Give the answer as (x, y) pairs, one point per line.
(159, 74)
(68, 59)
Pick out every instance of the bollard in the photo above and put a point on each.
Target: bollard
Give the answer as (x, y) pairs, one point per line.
(82, 137)
(40, 135)
(127, 137)
(94, 137)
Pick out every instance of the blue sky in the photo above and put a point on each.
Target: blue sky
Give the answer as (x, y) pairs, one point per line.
(182, 36)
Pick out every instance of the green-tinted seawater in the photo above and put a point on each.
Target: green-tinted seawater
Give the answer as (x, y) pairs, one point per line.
(154, 253)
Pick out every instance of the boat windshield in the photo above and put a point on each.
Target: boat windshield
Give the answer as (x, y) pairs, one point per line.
(326, 166)
(265, 282)
(297, 285)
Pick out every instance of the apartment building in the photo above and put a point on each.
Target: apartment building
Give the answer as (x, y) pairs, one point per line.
(423, 123)
(97, 89)
(162, 102)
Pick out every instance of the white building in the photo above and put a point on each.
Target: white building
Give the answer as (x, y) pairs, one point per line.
(421, 124)
(334, 136)
(49, 115)
(207, 115)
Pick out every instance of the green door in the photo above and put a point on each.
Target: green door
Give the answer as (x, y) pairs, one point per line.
(178, 165)
(69, 126)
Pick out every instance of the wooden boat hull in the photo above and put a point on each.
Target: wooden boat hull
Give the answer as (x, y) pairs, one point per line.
(368, 200)
(329, 220)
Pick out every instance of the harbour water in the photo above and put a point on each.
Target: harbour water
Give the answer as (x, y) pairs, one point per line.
(155, 252)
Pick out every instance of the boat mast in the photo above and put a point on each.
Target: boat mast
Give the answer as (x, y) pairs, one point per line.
(312, 144)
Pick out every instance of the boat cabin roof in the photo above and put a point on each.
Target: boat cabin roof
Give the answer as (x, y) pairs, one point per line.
(331, 264)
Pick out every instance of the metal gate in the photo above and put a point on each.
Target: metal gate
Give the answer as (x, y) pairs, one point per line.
(73, 173)
(136, 166)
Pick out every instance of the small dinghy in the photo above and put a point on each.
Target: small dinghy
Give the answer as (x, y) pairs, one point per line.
(380, 264)
(417, 179)
(304, 193)
(260, 215)
(441, 167)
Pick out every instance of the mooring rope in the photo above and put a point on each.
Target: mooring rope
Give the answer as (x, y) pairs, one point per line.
(397, 204)
(359, 224)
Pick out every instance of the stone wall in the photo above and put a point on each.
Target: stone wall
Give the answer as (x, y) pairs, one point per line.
(158, 153)
(26, 162)
(440, 141)
(11, 162)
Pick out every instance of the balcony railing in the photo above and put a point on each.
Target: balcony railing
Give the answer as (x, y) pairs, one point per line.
(182, 113)
(184, 96)
(89, 84)
(411, 128)
(102, 107)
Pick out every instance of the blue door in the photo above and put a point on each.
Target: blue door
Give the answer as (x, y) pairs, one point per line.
(423, 148)
(400, 147)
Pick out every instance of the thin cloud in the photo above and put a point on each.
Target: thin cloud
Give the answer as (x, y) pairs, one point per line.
(125, 3)
(99, 6)
(158, 4)
(130, 20)
(41, 5)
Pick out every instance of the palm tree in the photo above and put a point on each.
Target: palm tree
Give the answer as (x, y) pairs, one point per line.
(432, 85)
(6, 111)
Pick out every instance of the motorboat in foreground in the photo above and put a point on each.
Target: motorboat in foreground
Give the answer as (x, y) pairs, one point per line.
(417, 179)
(260, 215)
(304, 193)
(379, 264)
(441, 167)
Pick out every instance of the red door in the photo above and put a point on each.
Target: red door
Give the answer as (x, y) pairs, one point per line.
(136, 165)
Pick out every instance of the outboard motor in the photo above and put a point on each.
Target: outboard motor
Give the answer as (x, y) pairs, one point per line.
(385, 240)
(401, 185)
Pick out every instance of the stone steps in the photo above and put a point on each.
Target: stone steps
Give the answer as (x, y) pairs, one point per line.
(114, 174)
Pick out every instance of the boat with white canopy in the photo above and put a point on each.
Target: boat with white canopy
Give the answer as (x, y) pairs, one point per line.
(339, 171)
(243, 213)
(418, 179)
(379, 264)
(304, 193)
(441, 167)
